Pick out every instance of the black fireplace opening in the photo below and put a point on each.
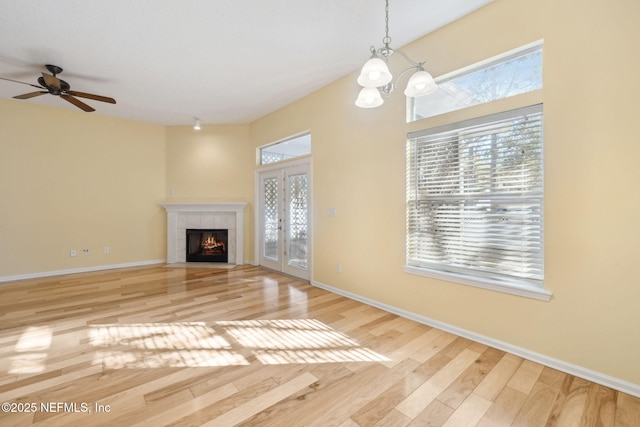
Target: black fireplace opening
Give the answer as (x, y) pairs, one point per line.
(207, 245)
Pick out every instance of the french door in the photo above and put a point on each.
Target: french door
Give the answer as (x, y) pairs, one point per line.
(283, 229)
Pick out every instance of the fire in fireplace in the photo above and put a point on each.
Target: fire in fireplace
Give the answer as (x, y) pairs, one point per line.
(207, 245)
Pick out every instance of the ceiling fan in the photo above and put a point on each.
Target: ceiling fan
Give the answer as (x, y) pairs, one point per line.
(49, 83)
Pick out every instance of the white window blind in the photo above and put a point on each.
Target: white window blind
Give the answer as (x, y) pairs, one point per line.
(475, 197)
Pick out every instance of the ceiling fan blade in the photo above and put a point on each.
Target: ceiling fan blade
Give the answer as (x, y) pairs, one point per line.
(52, 81)
(30, 95)
(77, 103)
(92, 96)
(18, 81)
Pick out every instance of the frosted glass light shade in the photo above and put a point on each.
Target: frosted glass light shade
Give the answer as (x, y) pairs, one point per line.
(369, 97)
(421, 83)
(374, 73)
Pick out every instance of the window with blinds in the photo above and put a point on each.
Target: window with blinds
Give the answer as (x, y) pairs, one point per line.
(475, 198)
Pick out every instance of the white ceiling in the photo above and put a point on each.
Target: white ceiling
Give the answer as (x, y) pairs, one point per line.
(223, 61)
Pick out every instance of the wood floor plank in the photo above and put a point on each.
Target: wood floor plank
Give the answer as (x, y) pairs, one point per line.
(627, 411)
(378, 408)
(324, 409)
(570, 403)
(417, 401)
(422, 339)
(435, 414)
(349, 423)
(248, 409)
(441, 340)
(226, 404)
(536, 409)
(400, 324)
(247, 346)
(600, 408)
(359, 396)
(495, 381)
(56, 380)
(504, 410)
(175, 413)
(469, 413)
(526, 376)
(392, 419)
(462, 387)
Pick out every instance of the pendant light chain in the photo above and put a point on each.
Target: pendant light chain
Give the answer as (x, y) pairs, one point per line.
(386, 40)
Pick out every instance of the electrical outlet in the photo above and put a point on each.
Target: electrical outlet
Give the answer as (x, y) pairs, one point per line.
(106, 249)
(73, 252)
(86, 251)
(338, 268)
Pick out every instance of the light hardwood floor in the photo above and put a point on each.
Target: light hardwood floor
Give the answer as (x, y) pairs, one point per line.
(245, 346)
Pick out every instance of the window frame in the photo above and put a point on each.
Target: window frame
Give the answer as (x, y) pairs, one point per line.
(259, 150)
(512, 285)
(478, 67)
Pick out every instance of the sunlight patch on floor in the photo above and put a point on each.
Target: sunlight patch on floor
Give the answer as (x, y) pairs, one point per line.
(158, 336)
(31, 351)
(187, 358)
(224, 343)
(153, 345)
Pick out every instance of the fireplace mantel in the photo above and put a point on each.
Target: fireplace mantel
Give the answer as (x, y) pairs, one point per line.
(183, 215)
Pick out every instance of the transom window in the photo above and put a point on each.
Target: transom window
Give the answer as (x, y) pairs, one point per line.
(290, 148)
(475, 199)
(505, 75)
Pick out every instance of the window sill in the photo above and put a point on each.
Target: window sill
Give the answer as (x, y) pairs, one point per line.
(522, 290)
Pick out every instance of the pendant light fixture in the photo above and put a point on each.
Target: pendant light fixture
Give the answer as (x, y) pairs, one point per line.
(196, 126)
(375, 77)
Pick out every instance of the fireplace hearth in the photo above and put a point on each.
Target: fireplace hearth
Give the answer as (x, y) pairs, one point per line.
(207, 245)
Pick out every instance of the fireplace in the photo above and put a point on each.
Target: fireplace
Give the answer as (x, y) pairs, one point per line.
(207, 245)
(204, 215)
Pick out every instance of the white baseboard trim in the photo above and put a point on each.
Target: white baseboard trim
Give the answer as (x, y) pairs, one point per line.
(560, 365)
(80, 270)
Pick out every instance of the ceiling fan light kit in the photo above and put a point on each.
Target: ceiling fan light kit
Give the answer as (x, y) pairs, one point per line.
(50, 84)
(376, 79)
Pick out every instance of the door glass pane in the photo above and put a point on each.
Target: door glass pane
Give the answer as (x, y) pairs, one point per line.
(297, 238)
(270, 238)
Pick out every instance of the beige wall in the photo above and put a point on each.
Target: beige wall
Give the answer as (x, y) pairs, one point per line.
(72, 180)
(214, 164)
(590, 95)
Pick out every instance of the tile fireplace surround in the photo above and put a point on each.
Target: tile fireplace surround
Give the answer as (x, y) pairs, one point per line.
(205, 215)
